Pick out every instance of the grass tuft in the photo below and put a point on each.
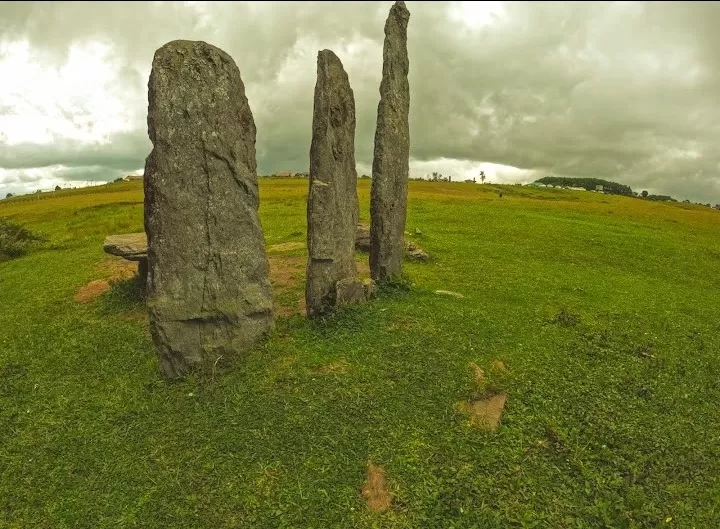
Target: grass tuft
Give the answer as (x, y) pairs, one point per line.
(16, 240)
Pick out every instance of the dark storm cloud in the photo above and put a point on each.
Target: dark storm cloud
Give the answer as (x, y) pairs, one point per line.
(619, 90)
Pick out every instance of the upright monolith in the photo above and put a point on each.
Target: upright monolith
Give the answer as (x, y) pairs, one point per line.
(332, 208)
(209, 295)
(388, 196)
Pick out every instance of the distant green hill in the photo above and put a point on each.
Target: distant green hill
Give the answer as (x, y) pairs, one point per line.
(588, 183)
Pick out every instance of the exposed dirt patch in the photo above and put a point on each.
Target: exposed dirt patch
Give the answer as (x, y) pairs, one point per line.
(485, 413)
(340, 366)
(478, 373)
(91, 291)
(285, 246)
(374, 490)
(116, 268)
(286, 270)
(499, 365)
(287, 276)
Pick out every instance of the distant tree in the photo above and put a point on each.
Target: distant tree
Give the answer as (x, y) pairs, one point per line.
(58, 188)
(644, 194)
(474, 181)
(117, 180)
(662, 198)
(8, 195)
(482, 177)
(449, 178)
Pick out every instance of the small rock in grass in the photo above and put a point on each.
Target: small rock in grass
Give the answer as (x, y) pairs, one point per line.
(349, 291)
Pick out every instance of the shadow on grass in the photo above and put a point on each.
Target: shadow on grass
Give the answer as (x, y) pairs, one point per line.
(125, 295)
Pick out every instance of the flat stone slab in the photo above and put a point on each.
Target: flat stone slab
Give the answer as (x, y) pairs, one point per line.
(131, 246)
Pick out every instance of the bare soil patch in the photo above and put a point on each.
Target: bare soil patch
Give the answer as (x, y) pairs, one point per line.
(286, 246)
(91, 291)
(116, 268)
(499, 365)
(478, 373)
(485, 413)
(374, 490)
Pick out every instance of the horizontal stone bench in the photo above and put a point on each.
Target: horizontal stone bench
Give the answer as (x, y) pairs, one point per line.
(130, 246)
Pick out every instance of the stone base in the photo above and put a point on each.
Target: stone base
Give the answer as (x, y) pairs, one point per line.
(352, 290)
(370, 289)
(349, 291)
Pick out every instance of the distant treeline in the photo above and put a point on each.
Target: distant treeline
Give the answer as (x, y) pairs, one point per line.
(661, 198)
(588, 183)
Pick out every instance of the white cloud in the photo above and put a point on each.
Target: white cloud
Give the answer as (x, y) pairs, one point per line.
(75, 100)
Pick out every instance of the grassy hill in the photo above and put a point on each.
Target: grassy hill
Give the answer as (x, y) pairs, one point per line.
(603, 309)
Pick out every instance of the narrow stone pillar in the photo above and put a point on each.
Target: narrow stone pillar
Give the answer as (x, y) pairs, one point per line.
(332, 208)
(388, 194)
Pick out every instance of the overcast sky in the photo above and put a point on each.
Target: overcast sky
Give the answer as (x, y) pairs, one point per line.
(625, 91)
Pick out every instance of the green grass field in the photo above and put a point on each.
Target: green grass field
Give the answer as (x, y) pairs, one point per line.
(604, 310)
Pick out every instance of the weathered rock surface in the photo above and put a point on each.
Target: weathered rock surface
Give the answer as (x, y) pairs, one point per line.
(370, 288)
(362, 238)
(388, 195)
(208, 290)
(416, 253)
(350, 291)
(332, 209)
(130, 246)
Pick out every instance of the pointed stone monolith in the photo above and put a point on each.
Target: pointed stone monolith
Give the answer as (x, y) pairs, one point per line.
(388, 196)
(332, 209)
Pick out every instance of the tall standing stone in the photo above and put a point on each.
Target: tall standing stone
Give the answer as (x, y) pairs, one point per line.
(388, 195)
(332, 209)
(209, 294)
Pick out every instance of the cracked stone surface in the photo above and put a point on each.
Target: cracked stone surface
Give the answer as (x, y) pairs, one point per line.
(209, 295)
(130, 246)
(388, 193)
(332, 209)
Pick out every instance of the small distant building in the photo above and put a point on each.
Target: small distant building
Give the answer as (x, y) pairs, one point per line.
(599, 188)
(284, 174)
(131, 177)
